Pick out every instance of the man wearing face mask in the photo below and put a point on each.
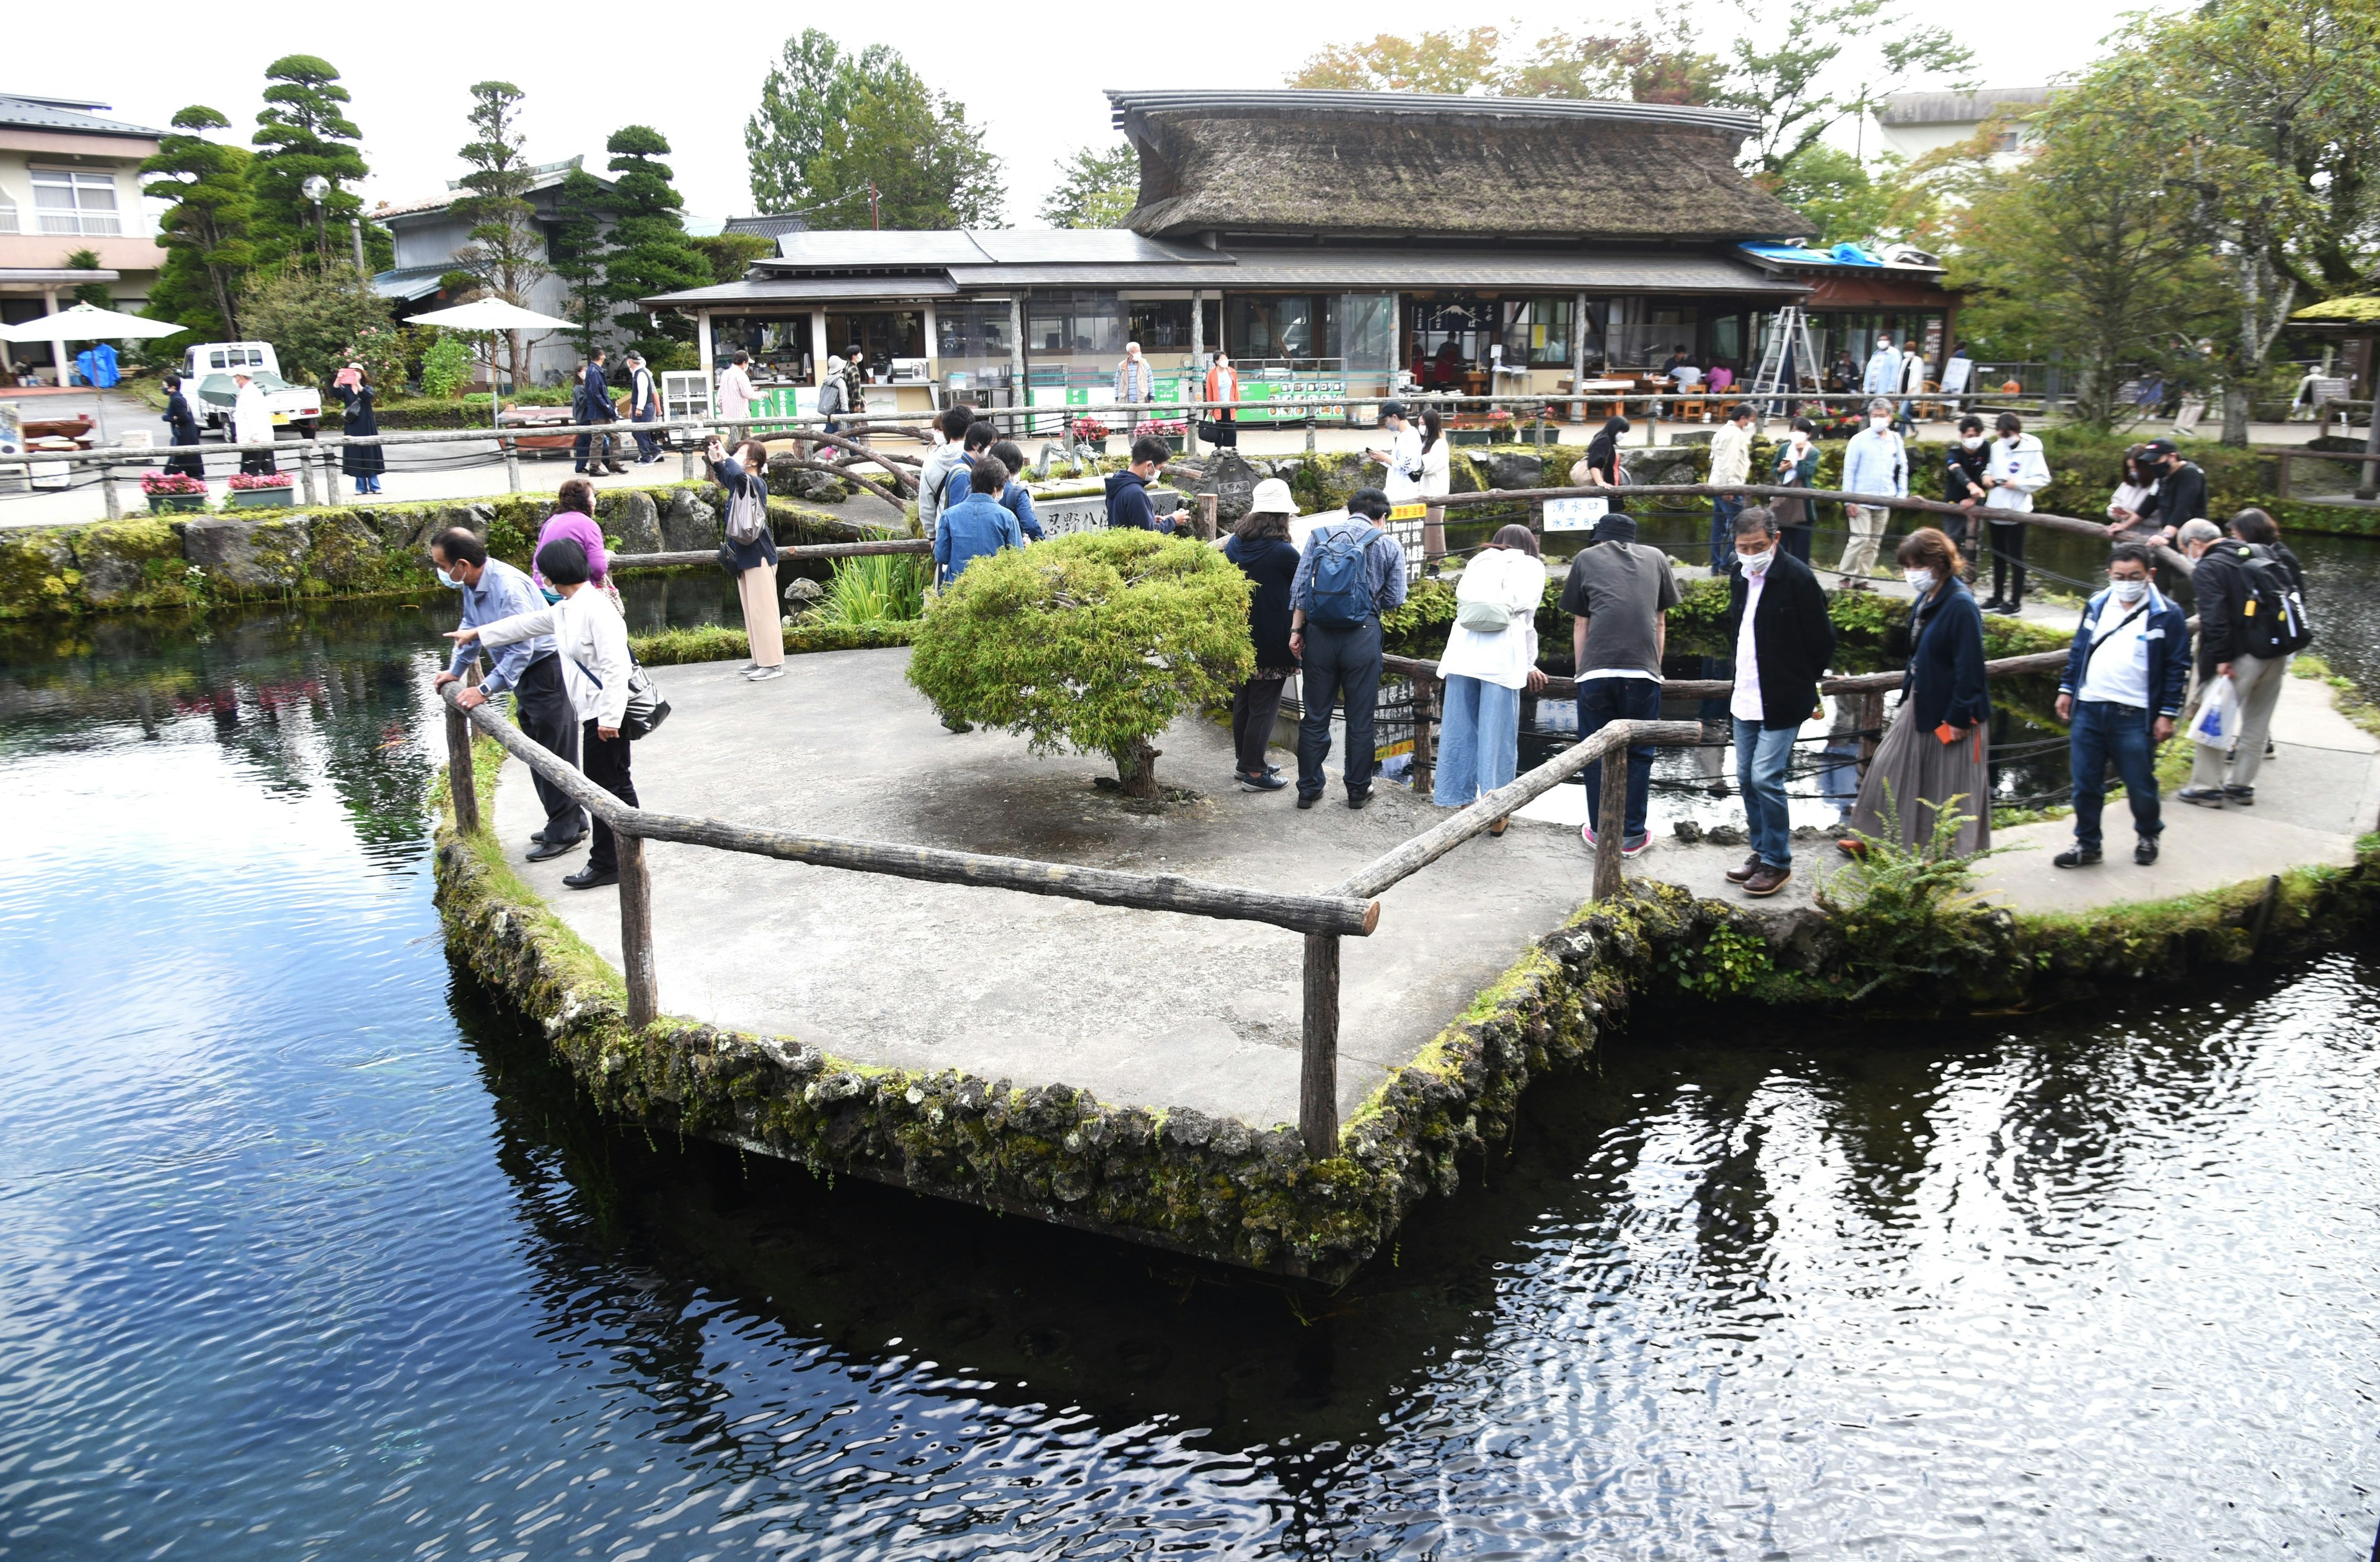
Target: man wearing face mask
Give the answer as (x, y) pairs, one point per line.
(1776, 621)
(529, 668)
(2017, 472)
(1875, 461)
(1882, 375)
(1963, 485)
(2122, 692)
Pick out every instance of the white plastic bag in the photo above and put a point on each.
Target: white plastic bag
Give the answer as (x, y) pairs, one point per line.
(2216, 725)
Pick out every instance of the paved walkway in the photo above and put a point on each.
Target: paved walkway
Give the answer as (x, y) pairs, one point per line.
(1156, 1010)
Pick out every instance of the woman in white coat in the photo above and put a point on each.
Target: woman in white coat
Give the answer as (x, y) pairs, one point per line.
(1437, 482)
(251, 423)
(1490, 657)
(593, 642)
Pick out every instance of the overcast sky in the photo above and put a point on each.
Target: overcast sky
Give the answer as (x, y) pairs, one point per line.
(1032, 81)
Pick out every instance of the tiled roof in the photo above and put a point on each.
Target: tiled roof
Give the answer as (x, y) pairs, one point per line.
(71, 115)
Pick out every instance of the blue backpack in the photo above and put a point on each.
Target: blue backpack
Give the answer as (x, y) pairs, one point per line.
(1342, 583)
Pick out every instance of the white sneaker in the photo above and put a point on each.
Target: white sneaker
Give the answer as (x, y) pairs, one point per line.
(762, 675)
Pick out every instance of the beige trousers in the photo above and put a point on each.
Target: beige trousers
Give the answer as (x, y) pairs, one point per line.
(1868, 523)
(757, 590)
(2257, 682)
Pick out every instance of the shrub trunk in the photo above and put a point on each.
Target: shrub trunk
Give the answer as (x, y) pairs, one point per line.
(1136, 768)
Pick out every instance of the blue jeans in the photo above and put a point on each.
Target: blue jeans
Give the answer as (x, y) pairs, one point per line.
(1761, 756)
(1602, 701)
(1478, 740)
(2105, 731)
(1722, 537)
(649, 447)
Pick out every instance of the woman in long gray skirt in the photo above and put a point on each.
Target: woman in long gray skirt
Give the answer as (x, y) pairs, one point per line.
(1937, 753)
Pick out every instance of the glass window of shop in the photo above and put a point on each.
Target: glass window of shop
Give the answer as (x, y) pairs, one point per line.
(1349, 331)
(1160, 325)
(973, 350)
(885, 335)
(1073, 338)
(1536, 332)
(780, 346)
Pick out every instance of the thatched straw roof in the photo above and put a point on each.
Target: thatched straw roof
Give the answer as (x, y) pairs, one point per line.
(1420, 164)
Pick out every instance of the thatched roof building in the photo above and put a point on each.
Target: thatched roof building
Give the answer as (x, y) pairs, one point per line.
(1425, 165)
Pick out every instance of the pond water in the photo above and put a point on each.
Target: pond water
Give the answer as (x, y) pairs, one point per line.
(309, 1253)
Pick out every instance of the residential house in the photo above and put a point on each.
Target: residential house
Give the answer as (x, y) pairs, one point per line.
(1916, 122)
(70, 180)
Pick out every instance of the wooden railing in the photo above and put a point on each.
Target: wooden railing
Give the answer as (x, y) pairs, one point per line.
(1351, 910)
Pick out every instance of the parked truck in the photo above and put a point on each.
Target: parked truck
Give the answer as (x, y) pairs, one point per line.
(207, 370)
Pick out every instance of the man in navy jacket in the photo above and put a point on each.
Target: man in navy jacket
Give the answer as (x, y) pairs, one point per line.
(2122, 692)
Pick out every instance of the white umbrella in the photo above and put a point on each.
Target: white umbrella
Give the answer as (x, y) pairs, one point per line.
(87, 322)
(491, 314)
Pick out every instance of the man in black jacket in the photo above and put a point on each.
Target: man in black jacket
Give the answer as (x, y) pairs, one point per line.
(2223, 581)
(602, 456)
(1776, 621)
(2180, 496)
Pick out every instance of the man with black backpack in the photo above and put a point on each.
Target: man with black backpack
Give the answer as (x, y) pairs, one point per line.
(1352, 572)
(2251, 620)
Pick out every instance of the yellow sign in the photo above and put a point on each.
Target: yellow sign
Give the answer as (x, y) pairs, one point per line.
(1407, 512)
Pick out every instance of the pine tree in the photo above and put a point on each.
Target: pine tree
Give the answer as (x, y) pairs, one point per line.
(506, 256)
(205, 234)
(652, 252)
(305, 132)
(579, 245)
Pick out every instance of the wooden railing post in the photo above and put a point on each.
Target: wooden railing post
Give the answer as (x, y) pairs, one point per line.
(462, 784)
(306, 470)
(1318, 1085)
(1206, 523)
(1871, 727)
(1611, 812)
(1425, 718)
(107, 492)
(636, 933)
(512, 465)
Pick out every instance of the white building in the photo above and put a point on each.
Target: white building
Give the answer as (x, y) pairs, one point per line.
(70, 180)
(1916, 122)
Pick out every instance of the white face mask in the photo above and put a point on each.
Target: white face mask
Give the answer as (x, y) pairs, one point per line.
(2129, 592)
(1880, 422)
(1919, 580)
(1973, 441)
(1801, 439)
(1757, 563)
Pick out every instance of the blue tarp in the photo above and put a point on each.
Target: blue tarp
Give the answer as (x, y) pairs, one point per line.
(96, 366)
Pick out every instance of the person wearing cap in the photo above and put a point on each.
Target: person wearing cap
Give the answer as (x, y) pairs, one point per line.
(2018, 470)
(1731, 463)
(251, 422)
(2180, 494)
(644, 406)
(1618, 593)
(1403, 458)
(1259, 544)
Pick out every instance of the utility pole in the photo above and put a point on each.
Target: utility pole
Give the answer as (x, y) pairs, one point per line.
(356, 227)
(873, 221)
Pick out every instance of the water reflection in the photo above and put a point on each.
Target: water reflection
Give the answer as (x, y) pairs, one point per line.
(312, 1251)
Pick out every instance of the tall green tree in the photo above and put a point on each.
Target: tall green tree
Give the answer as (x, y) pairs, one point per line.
(318, 321)
(93, 293)
(205, 232)
(2092, 252)
(305, 131)
(1097, 187)
(651, 252)
(505, 255)
(1802, 76)
(1662, 63)
(834, 129)
(1436, 62)
(578, 246)
(732, 254)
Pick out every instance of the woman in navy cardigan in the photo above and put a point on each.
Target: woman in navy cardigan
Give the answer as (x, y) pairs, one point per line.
(1937, 754)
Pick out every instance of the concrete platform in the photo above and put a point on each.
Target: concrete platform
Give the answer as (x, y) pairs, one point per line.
(1142, 1008)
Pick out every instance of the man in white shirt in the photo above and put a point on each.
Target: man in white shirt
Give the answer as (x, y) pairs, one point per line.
(1403, 458)
(1731, 463)
(2122, 693)
(735, 391)
(251, 422)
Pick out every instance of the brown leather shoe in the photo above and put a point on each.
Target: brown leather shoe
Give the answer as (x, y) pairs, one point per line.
(1751, 866)
(1766, 880)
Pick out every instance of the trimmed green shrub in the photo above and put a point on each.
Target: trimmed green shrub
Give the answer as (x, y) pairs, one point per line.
(1093, 641)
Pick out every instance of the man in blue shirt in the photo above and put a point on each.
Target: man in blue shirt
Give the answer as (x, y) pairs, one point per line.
(977, 525)
(1350, 573)
(528, 669)
(978, 439)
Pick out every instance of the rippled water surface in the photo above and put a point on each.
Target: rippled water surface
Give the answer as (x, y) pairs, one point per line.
(304, 1252)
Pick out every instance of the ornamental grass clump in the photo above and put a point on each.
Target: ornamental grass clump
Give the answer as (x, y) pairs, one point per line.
(1094, 641)
(874, 588)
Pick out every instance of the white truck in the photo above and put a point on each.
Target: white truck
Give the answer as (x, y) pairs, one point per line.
(207, 370)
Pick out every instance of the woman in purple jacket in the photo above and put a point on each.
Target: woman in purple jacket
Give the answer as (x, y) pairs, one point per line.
(574, 517)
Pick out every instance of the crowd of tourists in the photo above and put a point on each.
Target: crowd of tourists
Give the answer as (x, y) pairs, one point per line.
(1319, 588)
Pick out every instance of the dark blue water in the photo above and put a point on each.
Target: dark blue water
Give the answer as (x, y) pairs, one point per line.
(306, 1252)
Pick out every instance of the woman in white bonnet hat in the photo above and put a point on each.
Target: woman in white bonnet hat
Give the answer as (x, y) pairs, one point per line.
(1259, 544)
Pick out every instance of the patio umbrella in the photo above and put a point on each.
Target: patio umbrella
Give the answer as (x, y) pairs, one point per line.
(87, 322)
(491, 315)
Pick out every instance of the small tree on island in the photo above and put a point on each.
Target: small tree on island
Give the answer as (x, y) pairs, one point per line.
(1093, 641)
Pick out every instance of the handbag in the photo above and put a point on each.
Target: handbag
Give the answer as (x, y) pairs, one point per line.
(1483, 618)
(648, 707)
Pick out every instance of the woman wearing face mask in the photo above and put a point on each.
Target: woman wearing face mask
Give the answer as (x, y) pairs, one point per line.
(573, 517)
(2133, 487)
(1797, 467)
(1963, 485)
(1937, 756)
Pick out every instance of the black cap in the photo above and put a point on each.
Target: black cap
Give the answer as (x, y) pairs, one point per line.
(1393, 409)
(2160, 448)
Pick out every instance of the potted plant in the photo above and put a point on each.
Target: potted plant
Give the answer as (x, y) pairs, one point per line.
(258, 491)
(169, 492)
(1176, 433)
(1090, 433)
